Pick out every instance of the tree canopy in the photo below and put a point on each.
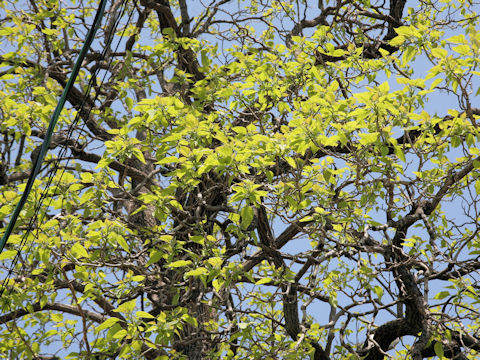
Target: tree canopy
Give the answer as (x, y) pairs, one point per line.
(245, 180)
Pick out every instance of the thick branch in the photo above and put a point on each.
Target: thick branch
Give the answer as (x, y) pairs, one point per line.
(288, 234)
(80, 154)
(70, 309)
(384, 336)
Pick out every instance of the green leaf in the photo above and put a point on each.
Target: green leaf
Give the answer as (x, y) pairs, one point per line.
(139, 155)
(168, 160)
(129, 103)
(6, 31)
(216, 262)
(155, 256)
(126, 307)
(106, 324)
(264, 280)
(441, 295)
(464, 50)
(78, 251)
(458, 39)
(378, 290)
(204, 58)
(438, 348)
(144, 315)
(104, 162)
(399, 153)
(8, 254)
(435, 83)
(179, 263)
(120, 334)
(190, 320)
(217, 284)
(50, 31)
(122, 242)
(397, 40)
(197, 272)
(246, 215)
(407, 31)
(56, 317)
(367, 139)
(439, 53)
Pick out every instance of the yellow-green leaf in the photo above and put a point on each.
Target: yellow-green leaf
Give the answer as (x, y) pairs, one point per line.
(246, 214)
(197, 272)
(79, 251)
(123, 243)
(127, 306)
(463, 50)
(439, 53)
(120, 334)
(106, 324)
(217, 284)
(8, 254)
(438, 348)
(216, 262)
(144, 315)
(367, 139)
(264, 280)
(179, 263)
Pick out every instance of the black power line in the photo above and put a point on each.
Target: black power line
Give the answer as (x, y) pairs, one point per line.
(53, 121)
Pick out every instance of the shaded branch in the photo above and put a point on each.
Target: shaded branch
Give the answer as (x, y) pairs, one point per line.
(70, 309)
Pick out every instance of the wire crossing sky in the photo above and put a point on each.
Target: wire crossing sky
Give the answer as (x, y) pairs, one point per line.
(43, 150)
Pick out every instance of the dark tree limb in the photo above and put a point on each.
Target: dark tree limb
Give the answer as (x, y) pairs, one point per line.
(64, 308)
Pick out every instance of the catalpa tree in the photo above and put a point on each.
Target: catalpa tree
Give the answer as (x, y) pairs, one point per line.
(242, 180)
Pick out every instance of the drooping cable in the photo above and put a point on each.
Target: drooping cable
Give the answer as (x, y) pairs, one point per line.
(51, 126)
(109, 37)
(53, 121)
(73, 126)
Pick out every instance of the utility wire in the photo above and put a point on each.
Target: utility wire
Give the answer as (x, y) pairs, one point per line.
(109, 39)
(72, 127)
(53, 121)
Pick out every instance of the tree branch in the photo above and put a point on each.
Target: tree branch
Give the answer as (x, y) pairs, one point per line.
(91, 315)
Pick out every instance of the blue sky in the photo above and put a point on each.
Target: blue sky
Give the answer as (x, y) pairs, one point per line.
(437, 104)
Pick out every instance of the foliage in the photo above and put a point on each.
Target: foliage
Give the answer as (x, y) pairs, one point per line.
(250, 179)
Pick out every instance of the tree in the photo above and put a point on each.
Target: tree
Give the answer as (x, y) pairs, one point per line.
(260, 179)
